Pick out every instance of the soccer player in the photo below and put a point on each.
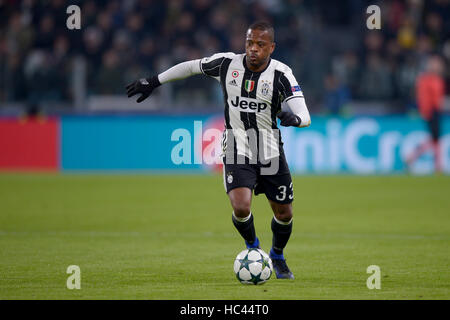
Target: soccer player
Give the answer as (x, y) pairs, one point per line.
(254, 87)
(430, 91)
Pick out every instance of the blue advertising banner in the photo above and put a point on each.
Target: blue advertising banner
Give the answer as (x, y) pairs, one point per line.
(371, 145)
(123, 143)
(360, 145)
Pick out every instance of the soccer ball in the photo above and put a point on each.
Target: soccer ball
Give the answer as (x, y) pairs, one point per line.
(253, 266)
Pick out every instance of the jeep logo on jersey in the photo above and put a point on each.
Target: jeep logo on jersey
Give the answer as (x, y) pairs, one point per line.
(249, 105)
(249, 85)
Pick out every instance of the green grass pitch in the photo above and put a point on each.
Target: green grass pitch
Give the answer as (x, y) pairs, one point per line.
(171, 237)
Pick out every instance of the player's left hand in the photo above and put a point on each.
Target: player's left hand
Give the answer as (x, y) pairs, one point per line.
(288, 119)
(143, 86)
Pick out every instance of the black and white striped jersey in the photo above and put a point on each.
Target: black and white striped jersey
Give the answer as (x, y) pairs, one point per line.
(252, 100)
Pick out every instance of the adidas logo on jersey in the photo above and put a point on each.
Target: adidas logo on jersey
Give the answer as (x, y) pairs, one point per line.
(233, 83)
(249, 105)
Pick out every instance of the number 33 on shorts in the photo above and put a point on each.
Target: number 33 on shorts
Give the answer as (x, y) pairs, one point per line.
(284, 192)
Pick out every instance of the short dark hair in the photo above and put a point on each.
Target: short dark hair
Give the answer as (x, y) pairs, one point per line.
(263, 26)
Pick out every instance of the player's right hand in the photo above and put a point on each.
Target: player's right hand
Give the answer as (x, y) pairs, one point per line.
(288, 119)
(143, 86)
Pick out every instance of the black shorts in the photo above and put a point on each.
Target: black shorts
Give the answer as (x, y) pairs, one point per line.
(278, 186)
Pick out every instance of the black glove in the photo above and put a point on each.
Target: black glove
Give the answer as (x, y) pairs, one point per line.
(288, 119)
(143, 86)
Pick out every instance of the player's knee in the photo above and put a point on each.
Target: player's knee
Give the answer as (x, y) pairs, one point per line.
(241, 199)
(284, 213)
(241, 210)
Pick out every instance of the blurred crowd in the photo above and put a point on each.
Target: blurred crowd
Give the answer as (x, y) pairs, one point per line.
(335, 58)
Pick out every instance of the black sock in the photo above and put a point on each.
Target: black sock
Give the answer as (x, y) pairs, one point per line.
(246, 228)
(281, 234)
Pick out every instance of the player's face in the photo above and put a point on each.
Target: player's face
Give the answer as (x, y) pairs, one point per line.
(258, 47)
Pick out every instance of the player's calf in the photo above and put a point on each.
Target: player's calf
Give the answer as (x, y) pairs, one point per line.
(281, 233)
(281, 228)
(246, 229)
(242, 217)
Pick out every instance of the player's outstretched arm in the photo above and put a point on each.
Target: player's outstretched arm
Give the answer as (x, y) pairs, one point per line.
(297, 115)
(145, 86)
